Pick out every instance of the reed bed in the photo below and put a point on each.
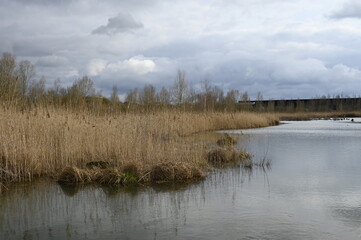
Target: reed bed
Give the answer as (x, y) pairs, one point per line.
(48, 142)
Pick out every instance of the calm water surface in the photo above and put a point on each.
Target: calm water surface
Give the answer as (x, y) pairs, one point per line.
(312, 191)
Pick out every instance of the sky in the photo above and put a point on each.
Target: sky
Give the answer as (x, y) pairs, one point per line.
(281, 48)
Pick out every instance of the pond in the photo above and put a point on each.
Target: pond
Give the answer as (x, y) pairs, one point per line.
(311, 191)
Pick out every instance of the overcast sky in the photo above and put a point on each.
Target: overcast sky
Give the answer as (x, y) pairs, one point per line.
(282, 48)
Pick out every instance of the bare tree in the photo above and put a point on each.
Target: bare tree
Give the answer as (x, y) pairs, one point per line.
(148, 95)
(259, 96)
(84, 87)
(37, 89)
(164, 96)
(259, 104)
(8, 81)
(245, 97)
(211, 96)
(58, 89)
(25, 72)
(180, 88)
(231, 99)
(131, 98)
(114, 98)
(205, 96)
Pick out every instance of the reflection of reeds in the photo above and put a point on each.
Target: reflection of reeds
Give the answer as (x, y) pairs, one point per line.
(46, 142)
(264, 164)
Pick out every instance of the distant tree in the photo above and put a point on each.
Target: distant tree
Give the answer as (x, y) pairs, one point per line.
(84, 87)
(25, 72)
(114, 98)
(192, 95)
(131, 98)
(245, 97)
(180, 87)
(231, 100)
(217, 96)
(58, 89)
(232, 96)
(206, 94)
(56, 92)
(164, 96)
(37, 89)
(259, 96)
(148, 96)
(259, 99)
(8, 80)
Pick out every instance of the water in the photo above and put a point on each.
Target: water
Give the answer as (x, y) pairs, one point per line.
(312, 191)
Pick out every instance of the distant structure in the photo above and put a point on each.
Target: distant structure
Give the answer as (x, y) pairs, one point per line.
(305, 105)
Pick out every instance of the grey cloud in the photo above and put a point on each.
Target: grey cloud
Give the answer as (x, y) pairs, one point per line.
(36, 47)
(176, 49)
(52, 61)
(47, 46)
(124, 22)
(41, 2)
(350, 9)
(21, 48)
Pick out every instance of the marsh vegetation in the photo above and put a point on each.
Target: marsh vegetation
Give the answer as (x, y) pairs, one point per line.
(73, 134)
(46, 142)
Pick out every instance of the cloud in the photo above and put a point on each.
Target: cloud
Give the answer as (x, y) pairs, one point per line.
(96, 67)
(256, 45)
(42, 2)
(124, 22)
(134, 66)
(52, 61)
(350, 9)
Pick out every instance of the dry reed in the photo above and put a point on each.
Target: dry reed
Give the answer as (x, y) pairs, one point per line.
(46, 142)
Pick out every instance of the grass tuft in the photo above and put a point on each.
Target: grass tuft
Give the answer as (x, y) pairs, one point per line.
(98, 164)
(74, 175)
(226, 155)
(169, 171)
(226, 140)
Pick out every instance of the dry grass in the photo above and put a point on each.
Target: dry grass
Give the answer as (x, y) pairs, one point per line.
(226, 140)
(46, 142)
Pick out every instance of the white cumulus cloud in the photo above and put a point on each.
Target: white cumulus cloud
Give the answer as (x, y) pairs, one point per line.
(96, 67)
(132, 66)
(138, 66)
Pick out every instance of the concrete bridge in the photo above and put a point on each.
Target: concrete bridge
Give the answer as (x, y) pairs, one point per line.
(315, 104)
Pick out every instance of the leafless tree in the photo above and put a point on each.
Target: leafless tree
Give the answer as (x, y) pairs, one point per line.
(25, 71)
(84, 87)
(114, 98)
(180, 88)
(8, 80)
(164, 96)
(37, 89)
(148, 95)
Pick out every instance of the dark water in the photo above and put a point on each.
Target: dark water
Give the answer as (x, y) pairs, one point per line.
(312, 191)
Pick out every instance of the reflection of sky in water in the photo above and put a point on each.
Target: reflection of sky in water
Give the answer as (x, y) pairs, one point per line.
(313, 191)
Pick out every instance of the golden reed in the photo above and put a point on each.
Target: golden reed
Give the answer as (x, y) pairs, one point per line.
(44, 142)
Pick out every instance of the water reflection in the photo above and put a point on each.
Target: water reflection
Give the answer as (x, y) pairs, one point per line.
(311, 192)
(50, 211)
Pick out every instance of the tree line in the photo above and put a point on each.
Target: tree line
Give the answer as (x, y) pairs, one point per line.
(19, 88)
